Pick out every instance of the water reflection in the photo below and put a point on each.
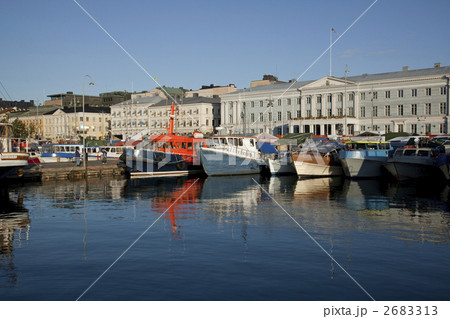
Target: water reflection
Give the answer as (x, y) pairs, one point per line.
(14, 227)
(172, 203)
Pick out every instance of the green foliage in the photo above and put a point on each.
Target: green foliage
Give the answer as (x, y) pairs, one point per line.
(19, 129)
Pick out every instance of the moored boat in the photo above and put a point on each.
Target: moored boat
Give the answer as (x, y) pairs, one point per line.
(365, 159)
(414, 163)
(231, 155)
(164, 155)
(319, 159)
(11, 158)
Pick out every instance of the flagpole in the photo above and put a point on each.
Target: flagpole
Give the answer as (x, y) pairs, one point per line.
(331, 31)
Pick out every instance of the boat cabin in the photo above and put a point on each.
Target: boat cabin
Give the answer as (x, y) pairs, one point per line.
(367, 146)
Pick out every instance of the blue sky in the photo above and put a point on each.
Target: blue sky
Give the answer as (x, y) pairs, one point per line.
(48, 45)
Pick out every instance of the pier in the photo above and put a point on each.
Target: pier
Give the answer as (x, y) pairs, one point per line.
(70, 171)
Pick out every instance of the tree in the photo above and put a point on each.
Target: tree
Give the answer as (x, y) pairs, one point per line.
(19, 129)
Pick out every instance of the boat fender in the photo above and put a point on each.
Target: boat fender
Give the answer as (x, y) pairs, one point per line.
(181, 165)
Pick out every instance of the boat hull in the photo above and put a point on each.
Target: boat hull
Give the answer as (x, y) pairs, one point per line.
(11, 162)
(217, 163)
(363, 167)
(147, 163)
(305, 169)
(403, 171)
(283, 166)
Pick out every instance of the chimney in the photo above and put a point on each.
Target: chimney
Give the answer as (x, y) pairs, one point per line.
(405, 68)
(437, 65)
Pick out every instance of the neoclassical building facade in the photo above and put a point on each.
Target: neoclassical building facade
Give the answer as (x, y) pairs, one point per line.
(413, 101)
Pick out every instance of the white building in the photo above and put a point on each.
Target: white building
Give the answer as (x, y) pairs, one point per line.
(414, 101)
(150, 115)
(69, 123)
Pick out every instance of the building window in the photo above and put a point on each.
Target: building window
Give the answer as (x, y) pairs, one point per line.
(261, 117)
(375, 111)
(350, 111)
(428, 108)
(288, 115)
(363, 96)
(319, 112)
(308, 113)
(298, 113)
(252, 104)
(340, 111)
(363, 128)
(289, 101)
(414, 128)
(279, 116)
(375, 95)
(319, 99)
(329, 112)
(400, 128)
(261, 103)
(270, 116)
(427, 129)
(428, 91)
(363, 111)
(444, 90)
(329, 98)
(387, 128)
(413, 109)
(308, 100)
(351, 97)
(279, 102)
(252, 117)
(340, 98)
(298, 100)
(400, 93)
(400, 110)
(387, 94)
(387, 110)
(443, 108)
(441, 128)
(414, 92)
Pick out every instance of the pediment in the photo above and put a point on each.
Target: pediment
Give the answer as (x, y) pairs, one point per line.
(327, 81)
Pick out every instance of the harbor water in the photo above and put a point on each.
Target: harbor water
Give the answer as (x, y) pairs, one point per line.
(225, 238)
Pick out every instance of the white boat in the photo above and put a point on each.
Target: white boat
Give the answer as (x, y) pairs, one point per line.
(414, 163)
(12, 158)
(319, 159)
(365, 159)
(231, 155)
(281, 164)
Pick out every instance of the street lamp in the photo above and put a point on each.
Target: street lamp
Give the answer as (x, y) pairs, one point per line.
(84, 127)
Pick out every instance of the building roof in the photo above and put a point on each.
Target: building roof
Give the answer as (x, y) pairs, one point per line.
(141, 100)
(406, 73)
(79, 109)
(35, 111)
(190, 100)
(436, 71)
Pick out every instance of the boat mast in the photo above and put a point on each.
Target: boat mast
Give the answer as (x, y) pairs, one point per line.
(172, 119)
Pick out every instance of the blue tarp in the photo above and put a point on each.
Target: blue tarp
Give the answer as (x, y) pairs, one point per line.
(266, 148)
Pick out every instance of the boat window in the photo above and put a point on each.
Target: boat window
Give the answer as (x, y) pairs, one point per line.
(183, 145)
(252, 143)
(384, 146)
(423, 153)
(189, 146)
(359, 146)
(216, 141)
(240, 142)
(409, 152)
(398, 153)
(230, 141)
(223, 141)
(372, 146)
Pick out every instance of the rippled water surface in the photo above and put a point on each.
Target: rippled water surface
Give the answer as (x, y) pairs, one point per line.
(225, 238)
